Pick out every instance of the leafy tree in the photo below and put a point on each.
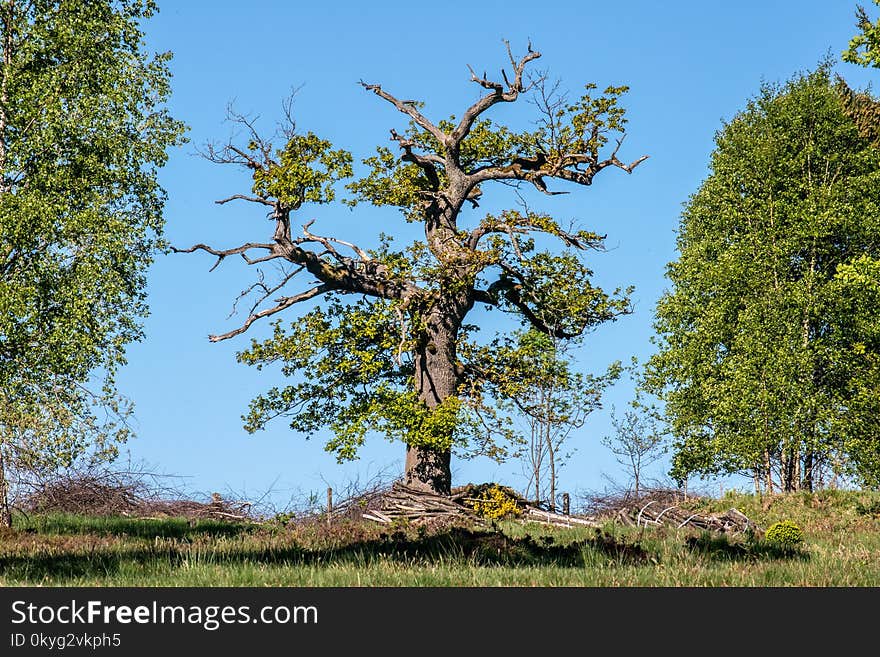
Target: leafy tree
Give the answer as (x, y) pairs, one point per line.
(530, 377)
(51, 424)
(864, 47)
(82, 134)
(381, 350)
(855, 297)
(637, 442)
(858, 283)
(766, 354)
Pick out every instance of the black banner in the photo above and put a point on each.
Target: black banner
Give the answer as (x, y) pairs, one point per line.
(238, 621)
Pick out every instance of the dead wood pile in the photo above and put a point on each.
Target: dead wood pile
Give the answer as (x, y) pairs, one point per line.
(122, 494)
(654, 513)
(217, 508)
(87, 494)
(405, 503)
(402, 502)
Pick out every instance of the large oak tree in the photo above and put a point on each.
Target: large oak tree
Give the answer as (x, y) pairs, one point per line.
(382, 350)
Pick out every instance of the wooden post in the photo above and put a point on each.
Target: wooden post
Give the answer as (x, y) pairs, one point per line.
(565, 504)
(329, 504)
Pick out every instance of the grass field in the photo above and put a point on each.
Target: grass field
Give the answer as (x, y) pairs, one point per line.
(841, 547)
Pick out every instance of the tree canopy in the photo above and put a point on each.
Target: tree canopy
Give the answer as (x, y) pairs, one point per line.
(83, 132)
(767, 358)
(864, 47)
(381, 350)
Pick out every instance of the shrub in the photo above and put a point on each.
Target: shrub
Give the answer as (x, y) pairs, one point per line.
(495, 502)
(869, 508)
(785, 534)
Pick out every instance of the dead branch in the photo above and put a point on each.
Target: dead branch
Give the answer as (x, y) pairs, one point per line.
(283, 303)
(426, 162)
(497, 92)
(326, 241)
(408, 108)
(242, 250)
(243, 197)
(344, 274)
(267, 291)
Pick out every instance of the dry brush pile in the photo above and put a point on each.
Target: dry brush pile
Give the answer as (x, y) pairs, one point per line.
(484, 503)
(109, 493)
(113, 493)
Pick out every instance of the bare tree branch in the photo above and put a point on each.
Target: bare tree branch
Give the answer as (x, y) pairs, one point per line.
(288, 128)
(497, 92)
(284, 302)
(256, 139)
(549, 102)
(408, 108)
(242, 197)
(258, 155)
(362, 276)
(327, 240)
(238, 250)
(267, 291)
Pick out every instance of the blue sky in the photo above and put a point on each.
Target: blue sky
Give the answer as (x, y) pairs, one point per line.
(689, 65)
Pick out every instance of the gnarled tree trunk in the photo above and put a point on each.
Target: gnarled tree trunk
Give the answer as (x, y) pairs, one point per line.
(429, 469)
(436, 379)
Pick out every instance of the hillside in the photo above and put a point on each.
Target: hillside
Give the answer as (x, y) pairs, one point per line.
(840, 547)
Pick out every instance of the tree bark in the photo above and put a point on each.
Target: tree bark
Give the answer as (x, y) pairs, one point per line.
(808, 471)
(437, 379)
(429, 469)
(5, 513)
(8, 16)
(768, 472)
(789, 468)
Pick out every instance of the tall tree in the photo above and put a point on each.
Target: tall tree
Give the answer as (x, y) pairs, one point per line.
(83, 131)
(381, 352)
(855, 298)
(858, 284)
(756, 364)
(864, 47)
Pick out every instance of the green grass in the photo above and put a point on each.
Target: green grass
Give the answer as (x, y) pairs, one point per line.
(841, 548)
